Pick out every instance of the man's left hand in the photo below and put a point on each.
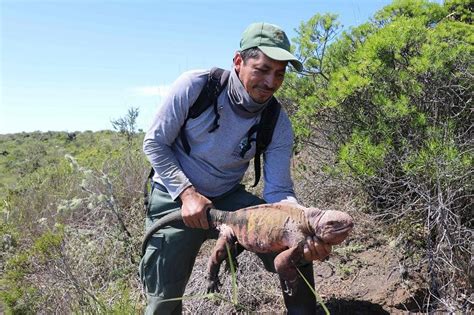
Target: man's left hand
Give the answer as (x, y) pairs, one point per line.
(314, 249)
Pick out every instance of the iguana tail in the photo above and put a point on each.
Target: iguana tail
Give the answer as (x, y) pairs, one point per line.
(213, 215)
(174, 216)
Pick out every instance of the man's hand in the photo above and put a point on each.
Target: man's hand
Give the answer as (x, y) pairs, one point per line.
(314, 249)
(194, 208)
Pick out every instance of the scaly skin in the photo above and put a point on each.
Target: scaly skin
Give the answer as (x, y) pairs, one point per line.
(270, 228)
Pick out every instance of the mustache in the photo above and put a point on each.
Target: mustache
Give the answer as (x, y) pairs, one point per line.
(266, 88)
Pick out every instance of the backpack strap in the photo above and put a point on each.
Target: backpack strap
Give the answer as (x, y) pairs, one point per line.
(216, 82)
(265, 133)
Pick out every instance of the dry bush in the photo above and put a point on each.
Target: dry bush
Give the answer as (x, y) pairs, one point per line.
(80, 250)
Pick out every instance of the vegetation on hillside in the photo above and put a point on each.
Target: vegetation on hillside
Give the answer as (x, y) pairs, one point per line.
(71, 222)
(391, 99)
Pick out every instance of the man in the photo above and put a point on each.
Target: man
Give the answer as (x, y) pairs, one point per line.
(210, 175)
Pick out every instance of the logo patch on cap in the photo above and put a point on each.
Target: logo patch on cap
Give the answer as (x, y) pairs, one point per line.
(279, 35)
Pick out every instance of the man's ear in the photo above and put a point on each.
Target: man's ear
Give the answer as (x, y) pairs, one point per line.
(238, 61)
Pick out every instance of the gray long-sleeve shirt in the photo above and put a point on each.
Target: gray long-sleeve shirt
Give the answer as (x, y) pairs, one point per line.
(214, 165)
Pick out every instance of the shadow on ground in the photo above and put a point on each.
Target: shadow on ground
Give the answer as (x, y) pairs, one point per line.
(354, 307)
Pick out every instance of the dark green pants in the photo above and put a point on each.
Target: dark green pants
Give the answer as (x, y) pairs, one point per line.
(167, 264)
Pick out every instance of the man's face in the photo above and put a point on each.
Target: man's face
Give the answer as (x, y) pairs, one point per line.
(261, 76)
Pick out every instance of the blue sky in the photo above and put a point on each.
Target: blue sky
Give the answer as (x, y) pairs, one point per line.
(75, 65)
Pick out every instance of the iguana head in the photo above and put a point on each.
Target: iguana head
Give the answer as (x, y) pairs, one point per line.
(331, 226)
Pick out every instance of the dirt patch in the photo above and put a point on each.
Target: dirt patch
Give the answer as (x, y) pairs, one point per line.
(367, 271)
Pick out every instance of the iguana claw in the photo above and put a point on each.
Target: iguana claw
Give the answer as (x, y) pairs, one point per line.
(290, 286)
(213, 285)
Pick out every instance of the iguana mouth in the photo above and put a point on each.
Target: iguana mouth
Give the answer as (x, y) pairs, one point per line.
(343, 229)
(335, 235)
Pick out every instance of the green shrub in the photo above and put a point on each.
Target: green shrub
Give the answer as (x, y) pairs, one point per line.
(391, 100)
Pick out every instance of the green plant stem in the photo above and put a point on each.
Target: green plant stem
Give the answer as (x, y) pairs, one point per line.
(318, 298)
(233, 274)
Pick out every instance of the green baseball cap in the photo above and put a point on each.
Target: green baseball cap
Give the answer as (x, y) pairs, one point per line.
(271, 40)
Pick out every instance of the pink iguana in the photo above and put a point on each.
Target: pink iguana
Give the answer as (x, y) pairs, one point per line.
(269, 228)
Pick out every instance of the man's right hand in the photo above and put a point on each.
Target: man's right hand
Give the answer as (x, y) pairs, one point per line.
(194, 208)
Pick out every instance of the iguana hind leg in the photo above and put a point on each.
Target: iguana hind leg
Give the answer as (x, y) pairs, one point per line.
(219, 254)
(285, 266)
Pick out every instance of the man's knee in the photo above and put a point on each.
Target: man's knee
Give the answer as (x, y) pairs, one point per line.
(157, 305)
(168, 302)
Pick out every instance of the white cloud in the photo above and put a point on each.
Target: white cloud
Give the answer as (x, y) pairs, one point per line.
(160, 90)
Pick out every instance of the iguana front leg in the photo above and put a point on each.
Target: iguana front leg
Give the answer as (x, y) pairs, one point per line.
(285, 266)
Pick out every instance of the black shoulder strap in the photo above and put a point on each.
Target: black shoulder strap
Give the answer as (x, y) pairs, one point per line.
(216, 82)
(265, 133)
